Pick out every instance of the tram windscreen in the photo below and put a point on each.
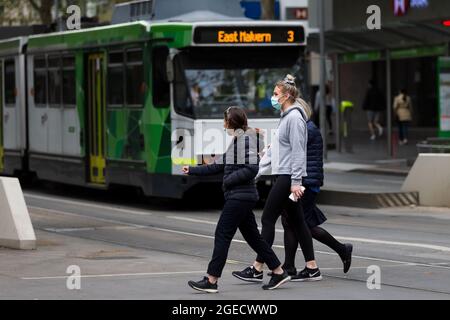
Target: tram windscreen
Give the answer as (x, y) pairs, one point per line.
(206, 86)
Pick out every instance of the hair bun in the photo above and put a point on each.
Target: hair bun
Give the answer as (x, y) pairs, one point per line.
(289, 79)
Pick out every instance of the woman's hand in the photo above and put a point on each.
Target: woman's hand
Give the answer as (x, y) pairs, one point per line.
(185, 169)
(298, 191)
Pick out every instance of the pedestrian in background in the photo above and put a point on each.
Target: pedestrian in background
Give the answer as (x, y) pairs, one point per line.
(287, 158)
(239, 166)
(373, 104)
(403, 112)
(330, 108)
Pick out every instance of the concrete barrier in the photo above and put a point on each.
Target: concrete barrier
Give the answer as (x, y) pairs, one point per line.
(16, 230)
(430, 177)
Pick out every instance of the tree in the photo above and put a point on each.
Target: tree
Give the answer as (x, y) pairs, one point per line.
(267, 9)
(44, 9)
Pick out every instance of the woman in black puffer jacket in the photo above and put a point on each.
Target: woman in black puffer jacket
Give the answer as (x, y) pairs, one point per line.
(239, 165)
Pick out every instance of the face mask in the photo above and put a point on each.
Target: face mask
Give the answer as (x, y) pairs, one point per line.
(275, 103)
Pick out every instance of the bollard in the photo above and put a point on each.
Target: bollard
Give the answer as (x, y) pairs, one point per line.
(16, 230)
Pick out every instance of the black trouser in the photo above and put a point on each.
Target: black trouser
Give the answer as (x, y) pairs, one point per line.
(277, 201)
(317, 233)
(238, 214)
(403, 129)
(329, 112)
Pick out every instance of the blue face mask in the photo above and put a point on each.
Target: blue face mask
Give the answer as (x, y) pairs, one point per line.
(275, 103)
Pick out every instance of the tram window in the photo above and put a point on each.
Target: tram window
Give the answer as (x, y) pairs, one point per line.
(54, 81)
(69, 82)
(161, 87)
(116, 83)
(134, 56)
(40, 82)
(183, 100)
(10, 83)
(135, 87)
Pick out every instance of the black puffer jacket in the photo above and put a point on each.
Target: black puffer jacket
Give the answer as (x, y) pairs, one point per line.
(239, 166)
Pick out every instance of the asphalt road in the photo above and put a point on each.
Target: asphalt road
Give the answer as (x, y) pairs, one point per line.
(128, 247)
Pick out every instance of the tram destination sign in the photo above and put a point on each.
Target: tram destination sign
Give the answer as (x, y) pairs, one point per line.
(249, 35)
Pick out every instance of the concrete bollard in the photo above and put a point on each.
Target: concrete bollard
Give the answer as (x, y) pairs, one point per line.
(430, 176)
(16, 230)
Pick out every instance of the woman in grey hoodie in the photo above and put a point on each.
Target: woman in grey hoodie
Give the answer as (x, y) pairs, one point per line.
(288, 162)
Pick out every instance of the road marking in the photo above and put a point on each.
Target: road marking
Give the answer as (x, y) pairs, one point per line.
(116, 275)
(396, 243)
(406, 263)
(388, 181)
(127, 211)
(241, 241)
(364, 240)
(191, 220)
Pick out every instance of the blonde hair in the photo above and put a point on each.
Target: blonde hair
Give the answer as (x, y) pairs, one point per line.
(287, 86)
(306, 107)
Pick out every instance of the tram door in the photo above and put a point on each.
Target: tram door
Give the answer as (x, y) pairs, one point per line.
(1, 117)
(96, 117)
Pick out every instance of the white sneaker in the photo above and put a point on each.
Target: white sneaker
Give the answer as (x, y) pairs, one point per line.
(373, 137)
(380, 131)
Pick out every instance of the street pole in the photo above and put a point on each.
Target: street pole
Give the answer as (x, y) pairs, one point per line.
(337, 101)
(388, 104)
(322, 111)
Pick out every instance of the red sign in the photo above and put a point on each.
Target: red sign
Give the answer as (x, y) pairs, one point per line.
(297, 13)
(400, 7)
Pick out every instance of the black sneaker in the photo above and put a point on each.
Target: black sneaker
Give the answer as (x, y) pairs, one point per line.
(203, 285)
(347, 257)
(307, 275)
(291, 271)
(249, 274)
(276, 281)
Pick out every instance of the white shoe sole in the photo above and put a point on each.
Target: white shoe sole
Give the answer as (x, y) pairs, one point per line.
(254, 280)
(307, 280)
(280, 283)
(204, 290)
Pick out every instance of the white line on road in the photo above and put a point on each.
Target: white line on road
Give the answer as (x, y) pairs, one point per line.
(116, 275)
(191, 220)
(240, 241)
(406, 263)
(87, 204)
(388, 181)
(392, 243)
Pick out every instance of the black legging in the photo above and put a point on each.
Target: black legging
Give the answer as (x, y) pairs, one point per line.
(291, 244)
(277, 201)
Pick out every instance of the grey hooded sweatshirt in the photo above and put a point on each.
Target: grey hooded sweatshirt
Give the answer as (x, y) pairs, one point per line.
(287, 153)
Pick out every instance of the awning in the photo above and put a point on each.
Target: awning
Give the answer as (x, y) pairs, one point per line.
(397, 36)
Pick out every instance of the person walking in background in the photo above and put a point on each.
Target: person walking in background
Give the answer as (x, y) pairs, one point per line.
(373, 104)
(239, 166)
(287, 158)
(403, 112)
(330, 107)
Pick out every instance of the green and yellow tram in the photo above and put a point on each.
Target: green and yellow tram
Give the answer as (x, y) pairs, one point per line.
(130, 104)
